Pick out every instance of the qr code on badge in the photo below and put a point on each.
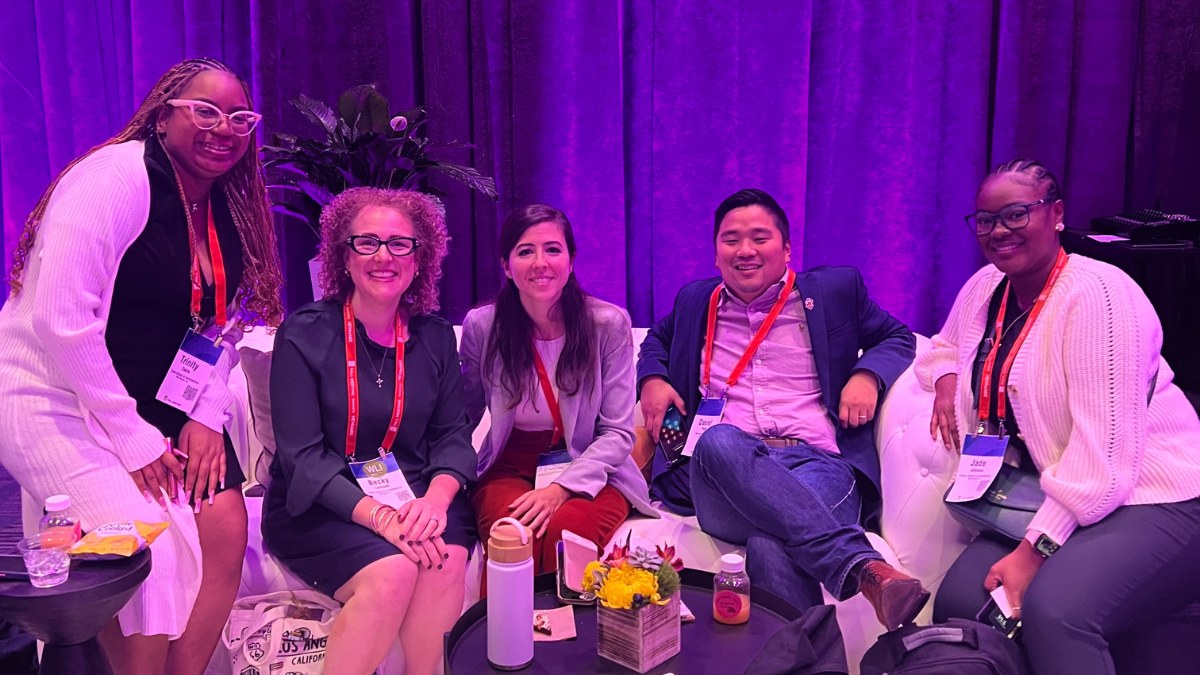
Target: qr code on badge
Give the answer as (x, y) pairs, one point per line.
(189, 393)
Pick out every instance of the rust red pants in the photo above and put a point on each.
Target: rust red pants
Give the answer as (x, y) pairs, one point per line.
(512, 475)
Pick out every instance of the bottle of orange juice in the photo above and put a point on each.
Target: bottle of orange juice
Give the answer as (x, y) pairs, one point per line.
(61, 524)
(731, 591)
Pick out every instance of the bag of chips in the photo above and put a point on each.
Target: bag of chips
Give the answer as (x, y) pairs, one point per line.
(116, 540)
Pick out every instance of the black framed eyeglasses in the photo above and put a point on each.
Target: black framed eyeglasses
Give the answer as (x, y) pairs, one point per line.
(207, 116)
(1014, 217)
(366, 244)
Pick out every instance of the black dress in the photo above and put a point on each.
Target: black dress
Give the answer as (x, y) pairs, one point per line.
(151, 301)
(306, 516)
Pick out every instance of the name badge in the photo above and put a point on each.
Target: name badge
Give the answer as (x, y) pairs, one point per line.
(194, 362)
(981, 459)
(382, 479)
(550, 466)
(708, 414)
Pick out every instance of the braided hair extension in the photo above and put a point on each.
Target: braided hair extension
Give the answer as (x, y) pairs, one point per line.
(243, 186)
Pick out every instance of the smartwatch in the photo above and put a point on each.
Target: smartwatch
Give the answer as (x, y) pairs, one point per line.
(1045, 546)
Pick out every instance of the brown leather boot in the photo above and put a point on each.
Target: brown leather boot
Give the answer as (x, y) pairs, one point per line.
(896, 597)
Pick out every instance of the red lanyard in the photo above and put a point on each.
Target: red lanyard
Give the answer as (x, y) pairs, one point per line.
(352, 417)
(757, 341)
(985, 379)
(218, 268)
(548, 391)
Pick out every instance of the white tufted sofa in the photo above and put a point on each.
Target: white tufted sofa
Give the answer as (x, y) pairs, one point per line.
(918, 535)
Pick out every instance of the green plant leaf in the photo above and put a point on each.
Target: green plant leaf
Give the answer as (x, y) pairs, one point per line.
(315, 192)
(365, 109)
(318, 113)
(466, 175)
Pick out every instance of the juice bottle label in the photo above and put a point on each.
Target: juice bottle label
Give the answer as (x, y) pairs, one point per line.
(727, 604)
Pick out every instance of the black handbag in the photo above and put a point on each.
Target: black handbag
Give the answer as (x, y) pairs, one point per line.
(1006, 508)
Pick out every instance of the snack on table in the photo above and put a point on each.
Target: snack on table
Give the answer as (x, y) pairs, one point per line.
(116, 540)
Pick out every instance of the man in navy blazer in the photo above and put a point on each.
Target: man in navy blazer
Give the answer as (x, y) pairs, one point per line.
(791, 471)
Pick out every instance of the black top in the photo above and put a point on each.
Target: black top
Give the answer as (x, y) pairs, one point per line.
(309, 408)
(151, 301)
(1014, 323)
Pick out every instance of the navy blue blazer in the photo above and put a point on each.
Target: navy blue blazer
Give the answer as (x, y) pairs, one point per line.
(842, 321)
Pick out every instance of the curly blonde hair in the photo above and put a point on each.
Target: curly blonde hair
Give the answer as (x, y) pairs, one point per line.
(429, 222)
(244, 191)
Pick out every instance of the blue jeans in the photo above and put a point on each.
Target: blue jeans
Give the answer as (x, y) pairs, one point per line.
(795, 509)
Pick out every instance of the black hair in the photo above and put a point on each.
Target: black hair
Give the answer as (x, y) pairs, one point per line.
(511, 338)
(752, 197)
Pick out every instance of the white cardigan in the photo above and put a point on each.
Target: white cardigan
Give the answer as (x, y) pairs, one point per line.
(67, 424)
(1078, 387)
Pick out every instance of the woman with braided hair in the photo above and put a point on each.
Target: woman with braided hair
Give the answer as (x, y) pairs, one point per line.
(155, 243)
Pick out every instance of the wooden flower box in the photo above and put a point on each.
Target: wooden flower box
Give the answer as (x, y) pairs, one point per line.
(638, 639)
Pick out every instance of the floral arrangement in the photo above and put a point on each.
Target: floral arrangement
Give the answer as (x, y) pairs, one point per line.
(627, 579)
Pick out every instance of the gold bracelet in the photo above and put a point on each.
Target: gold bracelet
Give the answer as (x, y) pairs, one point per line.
(385, 520)
(374, 512)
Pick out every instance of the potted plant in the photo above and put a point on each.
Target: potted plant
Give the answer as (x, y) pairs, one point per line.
(361, 144)
(637, 610)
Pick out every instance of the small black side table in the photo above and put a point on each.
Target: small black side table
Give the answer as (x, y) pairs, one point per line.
(708, 646)
(68, 617)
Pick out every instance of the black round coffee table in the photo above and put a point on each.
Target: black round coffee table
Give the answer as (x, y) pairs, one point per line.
(68, 617)
(707, 646)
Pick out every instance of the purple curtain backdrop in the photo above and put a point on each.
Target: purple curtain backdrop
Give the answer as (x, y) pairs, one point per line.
(871, 122)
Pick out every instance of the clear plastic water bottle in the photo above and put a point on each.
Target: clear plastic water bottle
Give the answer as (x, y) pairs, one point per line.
(510, 595)
(731, 591)
(61, 523)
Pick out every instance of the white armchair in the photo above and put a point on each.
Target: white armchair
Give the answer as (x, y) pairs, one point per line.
(918, 535)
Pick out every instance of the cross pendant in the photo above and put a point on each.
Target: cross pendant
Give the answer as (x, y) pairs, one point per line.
(379, 382)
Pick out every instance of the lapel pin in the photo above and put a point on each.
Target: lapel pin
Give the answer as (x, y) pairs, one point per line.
(808, 303)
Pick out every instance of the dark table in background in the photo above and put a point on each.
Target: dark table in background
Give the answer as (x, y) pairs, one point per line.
(68, 617)
(1170, 277)
(707, 646)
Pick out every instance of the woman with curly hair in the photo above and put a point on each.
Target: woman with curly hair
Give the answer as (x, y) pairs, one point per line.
(161, 232)
(366, 382)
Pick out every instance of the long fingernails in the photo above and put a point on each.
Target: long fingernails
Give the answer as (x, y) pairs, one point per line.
(149, 499)
(165, 498)
(196, 508)
(211, 495)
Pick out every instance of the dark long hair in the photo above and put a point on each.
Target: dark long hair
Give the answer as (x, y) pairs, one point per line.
(511, 341)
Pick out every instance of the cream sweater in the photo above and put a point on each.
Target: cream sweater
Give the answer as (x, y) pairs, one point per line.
(1078, 388)
(52, 333)
(67, 424)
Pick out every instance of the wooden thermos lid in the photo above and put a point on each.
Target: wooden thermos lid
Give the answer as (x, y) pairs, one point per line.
(509, 542)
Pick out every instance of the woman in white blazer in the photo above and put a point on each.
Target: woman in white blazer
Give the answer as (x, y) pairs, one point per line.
(555, 368)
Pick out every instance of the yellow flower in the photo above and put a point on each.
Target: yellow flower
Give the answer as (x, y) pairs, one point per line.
(625, 585)
(593, 575)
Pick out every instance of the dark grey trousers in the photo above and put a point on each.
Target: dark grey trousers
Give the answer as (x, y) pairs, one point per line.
(1138, 566)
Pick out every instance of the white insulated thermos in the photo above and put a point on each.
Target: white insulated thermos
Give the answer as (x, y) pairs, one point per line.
(509, 595)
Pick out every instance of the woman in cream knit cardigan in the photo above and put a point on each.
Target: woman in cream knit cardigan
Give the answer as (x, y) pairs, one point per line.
(1092, 409)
